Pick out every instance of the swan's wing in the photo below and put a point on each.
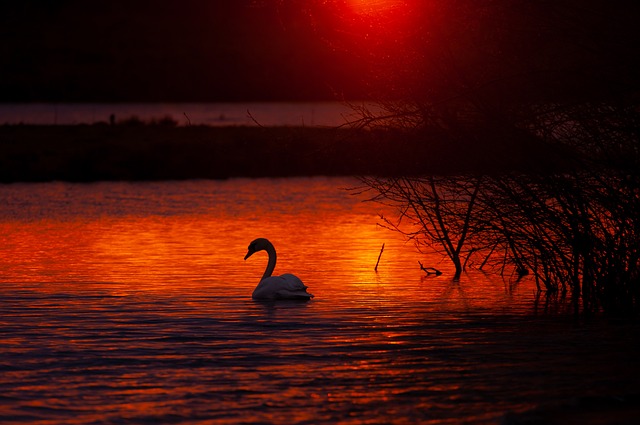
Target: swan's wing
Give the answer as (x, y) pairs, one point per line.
(297, 295)
(292, 287)
(287, 286)
(293, 282)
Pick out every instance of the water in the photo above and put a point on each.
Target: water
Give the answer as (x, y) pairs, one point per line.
(130, 303)
(213, 114)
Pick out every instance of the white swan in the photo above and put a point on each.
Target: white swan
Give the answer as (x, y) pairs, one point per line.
(285, 287)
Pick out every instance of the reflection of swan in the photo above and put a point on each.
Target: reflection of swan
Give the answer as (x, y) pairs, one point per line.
(285, 287)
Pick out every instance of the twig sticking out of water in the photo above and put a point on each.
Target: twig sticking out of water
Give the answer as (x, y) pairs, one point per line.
(188, 119)
(429, 270)
(250, 115)
(379, 255)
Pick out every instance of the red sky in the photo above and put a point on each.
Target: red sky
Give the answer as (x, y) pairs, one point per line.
(247, 50)
(69, 50)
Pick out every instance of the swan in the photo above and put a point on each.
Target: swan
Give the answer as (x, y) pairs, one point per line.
(284, 287)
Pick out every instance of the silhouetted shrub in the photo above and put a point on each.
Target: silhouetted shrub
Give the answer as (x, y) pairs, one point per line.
(132, 121)
(562, 110)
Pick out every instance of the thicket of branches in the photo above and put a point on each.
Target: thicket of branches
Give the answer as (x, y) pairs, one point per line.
(558, 78)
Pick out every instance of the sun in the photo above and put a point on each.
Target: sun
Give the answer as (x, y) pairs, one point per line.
(375, 31)
(376, 22)
(372, 7)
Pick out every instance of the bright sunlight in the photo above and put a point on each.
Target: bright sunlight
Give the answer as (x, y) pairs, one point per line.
(372, 7)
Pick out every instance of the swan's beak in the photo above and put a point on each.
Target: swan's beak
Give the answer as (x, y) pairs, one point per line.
(249, 254)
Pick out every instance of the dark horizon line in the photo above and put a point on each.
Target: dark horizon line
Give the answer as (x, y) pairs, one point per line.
(183, 100)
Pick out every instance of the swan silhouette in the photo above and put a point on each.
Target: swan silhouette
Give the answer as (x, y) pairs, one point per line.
(284, 287)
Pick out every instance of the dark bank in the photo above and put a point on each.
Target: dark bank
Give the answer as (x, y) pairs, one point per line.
(101, 152)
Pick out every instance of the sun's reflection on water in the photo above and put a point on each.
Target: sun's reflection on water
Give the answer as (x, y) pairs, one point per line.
(136, 299)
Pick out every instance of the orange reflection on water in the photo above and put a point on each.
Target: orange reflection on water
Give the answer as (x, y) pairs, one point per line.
(330, 241)
(145, 309)
(150, 247)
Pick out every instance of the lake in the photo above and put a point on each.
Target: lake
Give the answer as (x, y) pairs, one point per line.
(131, 303)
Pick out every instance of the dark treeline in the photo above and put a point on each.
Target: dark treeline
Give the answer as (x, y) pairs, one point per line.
(134, 150)
(161, 150)
(559, 77)
(137, 151)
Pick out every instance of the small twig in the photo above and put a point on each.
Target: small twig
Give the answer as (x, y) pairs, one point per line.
(429, 270)
(253, 119)
(188, 119)
(379, 255)
(488, 255)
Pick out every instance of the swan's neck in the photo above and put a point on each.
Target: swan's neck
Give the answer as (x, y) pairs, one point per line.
(271, 265)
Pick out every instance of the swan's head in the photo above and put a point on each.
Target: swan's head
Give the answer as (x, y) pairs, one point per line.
(259, 244)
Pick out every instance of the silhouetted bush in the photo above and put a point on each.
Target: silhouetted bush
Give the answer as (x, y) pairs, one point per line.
(526, 84)
(132, 121)
(166, 121)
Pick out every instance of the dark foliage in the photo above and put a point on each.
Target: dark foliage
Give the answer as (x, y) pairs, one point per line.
(559, 78)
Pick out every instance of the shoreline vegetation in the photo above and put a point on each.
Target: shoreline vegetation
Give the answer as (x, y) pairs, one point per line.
(159, 151)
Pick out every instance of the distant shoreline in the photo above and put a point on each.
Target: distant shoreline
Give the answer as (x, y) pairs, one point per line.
(86, 153)
(216, 114)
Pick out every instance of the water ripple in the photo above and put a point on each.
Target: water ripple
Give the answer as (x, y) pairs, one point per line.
(130, 303)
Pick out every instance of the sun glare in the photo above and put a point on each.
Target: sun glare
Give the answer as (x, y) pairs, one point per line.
(372, 7)
(378, 18)
(377, 27)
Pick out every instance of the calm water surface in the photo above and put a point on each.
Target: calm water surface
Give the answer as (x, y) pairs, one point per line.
(131, 303)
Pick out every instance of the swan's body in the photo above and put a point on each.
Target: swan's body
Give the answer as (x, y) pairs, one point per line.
(284, 287)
